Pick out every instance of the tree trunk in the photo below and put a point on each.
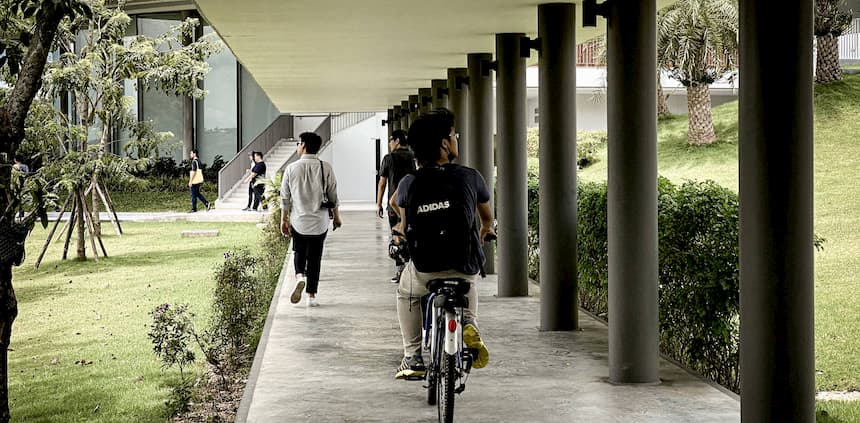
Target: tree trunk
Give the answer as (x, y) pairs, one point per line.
(8, 313)
(13, 114)
(701, 126)
(97, 224)
(662, 103)
(82, 225)
(827, 60)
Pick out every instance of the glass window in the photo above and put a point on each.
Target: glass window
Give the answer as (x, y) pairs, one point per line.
(218, 133)
(166, 111)
(257, 111)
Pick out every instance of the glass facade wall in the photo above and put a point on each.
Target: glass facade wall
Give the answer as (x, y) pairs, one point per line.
(217, 134)
(232, 114)
(257, 111)
(164, 110)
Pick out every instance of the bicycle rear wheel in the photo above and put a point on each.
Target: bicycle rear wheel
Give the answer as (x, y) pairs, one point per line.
(447, 379)
(432, 386)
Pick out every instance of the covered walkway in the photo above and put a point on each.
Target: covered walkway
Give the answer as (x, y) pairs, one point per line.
(335, 363)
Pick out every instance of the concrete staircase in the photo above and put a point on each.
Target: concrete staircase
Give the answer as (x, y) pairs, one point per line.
(276, 158)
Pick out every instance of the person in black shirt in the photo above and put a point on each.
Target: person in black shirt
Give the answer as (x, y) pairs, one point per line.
(257, 172)
(395, 165)
(436, 145)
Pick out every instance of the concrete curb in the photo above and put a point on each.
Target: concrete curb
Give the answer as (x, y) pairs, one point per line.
(250, 385)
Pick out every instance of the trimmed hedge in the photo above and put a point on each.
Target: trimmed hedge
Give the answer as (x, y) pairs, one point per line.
(698, 270)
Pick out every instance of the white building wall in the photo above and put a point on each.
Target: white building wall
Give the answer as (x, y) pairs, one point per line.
(352, 153)
(306, 123)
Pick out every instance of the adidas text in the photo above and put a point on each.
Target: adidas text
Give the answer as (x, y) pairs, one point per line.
(433, 206)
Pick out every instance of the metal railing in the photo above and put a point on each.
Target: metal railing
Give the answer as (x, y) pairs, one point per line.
(234, 170)
(323, 130)
(342, 121)
(849, 42)
(333, 124)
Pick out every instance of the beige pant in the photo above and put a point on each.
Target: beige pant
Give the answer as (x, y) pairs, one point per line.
(413, 285)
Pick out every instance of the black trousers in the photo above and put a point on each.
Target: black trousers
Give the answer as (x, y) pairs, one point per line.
(307, 257)
(195, 194)
(250, 194)
(258, 195)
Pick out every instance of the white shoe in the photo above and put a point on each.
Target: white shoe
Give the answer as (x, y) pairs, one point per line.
(297, 291)
(312, 302)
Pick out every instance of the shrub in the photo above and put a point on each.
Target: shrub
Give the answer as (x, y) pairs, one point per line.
(698, 270)
(237, 302)
(171, 333)
(587, 144)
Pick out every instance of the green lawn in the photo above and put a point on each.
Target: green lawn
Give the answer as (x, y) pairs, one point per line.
(837, 200)
(98, 313)
(837, 412)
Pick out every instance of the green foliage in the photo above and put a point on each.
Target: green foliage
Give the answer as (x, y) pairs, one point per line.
(830, 18)
(171, 332)
(697, 40)
(179, 399)
(698, 270)
(238, 303)
(587, 144)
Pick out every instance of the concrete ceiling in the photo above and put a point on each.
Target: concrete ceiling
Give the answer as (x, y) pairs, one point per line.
(368, 55)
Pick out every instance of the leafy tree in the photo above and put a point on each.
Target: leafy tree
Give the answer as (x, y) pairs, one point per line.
(830, 22)
(97, 57)
(27, 31)
(697, 42)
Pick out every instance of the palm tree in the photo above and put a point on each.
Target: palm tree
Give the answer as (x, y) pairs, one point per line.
(830, 23)
(697, 42)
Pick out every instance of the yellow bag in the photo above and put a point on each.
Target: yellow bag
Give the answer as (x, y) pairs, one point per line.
(198, 177)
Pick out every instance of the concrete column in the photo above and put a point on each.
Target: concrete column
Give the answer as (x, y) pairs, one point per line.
(557, 102)
(481, 131)
(397, 118)
(414, 104)
(458, 102)
(512, 151)
(632, 203)
(425, 96)
(404, 115)
(776, 213)
(440, 93)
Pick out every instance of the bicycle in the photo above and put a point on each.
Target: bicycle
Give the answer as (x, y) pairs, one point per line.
(450, 362)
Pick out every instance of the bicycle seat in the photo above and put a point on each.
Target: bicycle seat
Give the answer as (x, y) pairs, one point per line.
(460, 286)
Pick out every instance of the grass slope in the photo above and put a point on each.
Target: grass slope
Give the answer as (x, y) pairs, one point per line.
(99, 312)
(837, 201)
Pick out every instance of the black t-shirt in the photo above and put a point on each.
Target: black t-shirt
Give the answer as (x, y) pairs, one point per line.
(476, 192)
(260, 170)
(195, 165)
(395, 166)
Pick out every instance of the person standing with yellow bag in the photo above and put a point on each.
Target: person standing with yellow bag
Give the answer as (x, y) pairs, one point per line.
(195, 180)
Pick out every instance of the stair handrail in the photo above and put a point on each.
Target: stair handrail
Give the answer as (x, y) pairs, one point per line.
(233, 171)
(323, 130)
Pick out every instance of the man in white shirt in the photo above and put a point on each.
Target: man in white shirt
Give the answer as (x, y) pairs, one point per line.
(309, 195)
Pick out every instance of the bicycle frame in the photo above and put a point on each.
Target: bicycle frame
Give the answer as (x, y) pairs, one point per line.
(450, 363)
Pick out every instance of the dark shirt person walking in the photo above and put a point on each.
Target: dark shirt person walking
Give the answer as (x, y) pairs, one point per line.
(257, 172)
(195, 180)
(395, 165)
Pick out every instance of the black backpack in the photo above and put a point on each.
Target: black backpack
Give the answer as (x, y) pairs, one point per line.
(439, 228)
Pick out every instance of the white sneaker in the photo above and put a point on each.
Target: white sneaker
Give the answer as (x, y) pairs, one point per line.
(312, 302)
(297, 291)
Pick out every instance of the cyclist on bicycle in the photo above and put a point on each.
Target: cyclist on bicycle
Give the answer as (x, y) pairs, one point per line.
(437, 207)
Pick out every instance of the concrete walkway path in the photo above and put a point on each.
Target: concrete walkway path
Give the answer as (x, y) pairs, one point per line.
(336, 362)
